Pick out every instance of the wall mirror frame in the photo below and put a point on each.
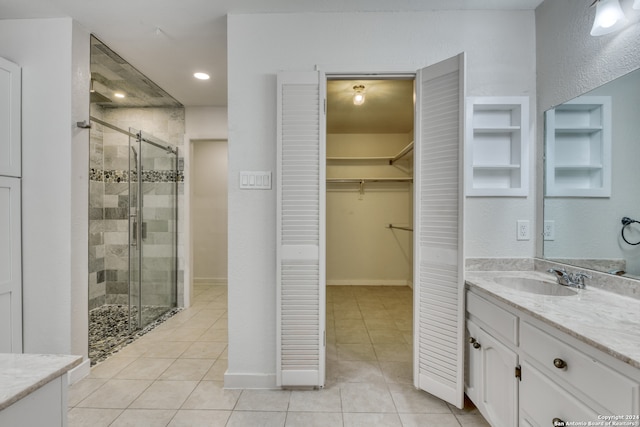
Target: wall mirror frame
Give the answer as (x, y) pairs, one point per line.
(592, 179)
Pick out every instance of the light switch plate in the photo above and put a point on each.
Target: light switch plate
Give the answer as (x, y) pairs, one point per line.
(255, 180)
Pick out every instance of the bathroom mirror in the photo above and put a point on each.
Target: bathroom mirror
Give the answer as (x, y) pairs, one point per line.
(592, 179)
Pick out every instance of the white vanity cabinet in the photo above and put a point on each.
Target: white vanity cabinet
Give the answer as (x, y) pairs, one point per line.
(491, 381)
(560, 377)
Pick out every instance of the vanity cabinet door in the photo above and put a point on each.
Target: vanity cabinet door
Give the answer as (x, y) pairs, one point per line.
(491, 381)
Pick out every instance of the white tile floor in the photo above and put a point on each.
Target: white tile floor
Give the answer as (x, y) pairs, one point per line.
(173, 376)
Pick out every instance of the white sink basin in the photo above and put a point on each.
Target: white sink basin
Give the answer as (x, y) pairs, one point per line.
(535, 286)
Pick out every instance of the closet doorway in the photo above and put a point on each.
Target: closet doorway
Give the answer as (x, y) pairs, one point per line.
(369, 234)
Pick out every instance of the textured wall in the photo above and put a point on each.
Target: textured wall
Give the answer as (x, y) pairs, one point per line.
(571, 62)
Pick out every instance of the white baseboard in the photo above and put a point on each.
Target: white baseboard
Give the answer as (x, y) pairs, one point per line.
(250, 381)
(368, 282)
(79, 372)
(210, 280)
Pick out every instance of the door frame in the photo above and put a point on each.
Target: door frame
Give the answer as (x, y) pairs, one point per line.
(414, 75)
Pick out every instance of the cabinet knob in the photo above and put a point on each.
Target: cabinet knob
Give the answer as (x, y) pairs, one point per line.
(559, 363)
(476, 344)
(471, 340)
(557, 422)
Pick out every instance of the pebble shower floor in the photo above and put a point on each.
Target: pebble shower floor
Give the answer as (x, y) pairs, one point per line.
(109, 328)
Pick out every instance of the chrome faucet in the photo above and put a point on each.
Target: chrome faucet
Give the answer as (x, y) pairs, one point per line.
(573, 280)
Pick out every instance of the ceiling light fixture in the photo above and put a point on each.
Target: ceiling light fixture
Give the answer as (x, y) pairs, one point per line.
(201, 76)
(119, 95)
(358, 96)
(609, 17)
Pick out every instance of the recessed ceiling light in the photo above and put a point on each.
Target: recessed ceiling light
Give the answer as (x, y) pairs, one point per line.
(201, 76)
(118, 95)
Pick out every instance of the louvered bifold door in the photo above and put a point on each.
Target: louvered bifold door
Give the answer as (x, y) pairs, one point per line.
(439, 281)
(301, 229)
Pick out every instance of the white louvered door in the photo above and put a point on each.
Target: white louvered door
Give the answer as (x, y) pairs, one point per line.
(438, 256)
(300, 229)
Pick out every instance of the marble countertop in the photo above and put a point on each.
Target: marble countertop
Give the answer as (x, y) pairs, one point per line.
(605, 320)
(22, 374)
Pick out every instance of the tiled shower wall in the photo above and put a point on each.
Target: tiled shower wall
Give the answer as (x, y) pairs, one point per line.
(109, 187)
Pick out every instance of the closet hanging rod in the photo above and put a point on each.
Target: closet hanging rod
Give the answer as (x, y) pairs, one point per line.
(399, 228)
(365, 180)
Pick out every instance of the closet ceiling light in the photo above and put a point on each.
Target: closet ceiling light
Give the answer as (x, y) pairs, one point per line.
(201, 76)
(609, 17)
(358, 96)
(119, 95)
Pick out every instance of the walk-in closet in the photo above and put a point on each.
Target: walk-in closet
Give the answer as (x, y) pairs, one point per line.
(369, 235)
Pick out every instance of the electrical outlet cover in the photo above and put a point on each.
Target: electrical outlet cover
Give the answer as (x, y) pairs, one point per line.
(522, 230)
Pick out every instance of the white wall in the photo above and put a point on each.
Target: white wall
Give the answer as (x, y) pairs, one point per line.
(571, 62)
(361, 250)
(209, 214)
(54, 55)
(500, 50)
(206, 122)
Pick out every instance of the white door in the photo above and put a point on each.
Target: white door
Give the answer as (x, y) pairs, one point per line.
(10, 267)
(10, 125)
(438, 237)
(300, 231)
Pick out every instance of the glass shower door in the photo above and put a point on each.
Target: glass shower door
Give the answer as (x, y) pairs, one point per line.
(153, 227)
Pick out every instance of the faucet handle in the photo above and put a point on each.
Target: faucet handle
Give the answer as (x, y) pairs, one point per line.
(579, 277)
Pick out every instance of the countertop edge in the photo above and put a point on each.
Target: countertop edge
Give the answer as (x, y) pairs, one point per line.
(59, 371)
(571, 332)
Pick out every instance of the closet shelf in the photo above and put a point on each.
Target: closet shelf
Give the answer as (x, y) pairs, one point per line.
(390, 159)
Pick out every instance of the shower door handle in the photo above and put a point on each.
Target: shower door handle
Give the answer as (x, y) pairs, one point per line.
(134, 230)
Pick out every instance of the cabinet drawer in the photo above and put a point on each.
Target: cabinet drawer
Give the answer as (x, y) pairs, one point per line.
(501, 321)
(542, 400)
(613, 391)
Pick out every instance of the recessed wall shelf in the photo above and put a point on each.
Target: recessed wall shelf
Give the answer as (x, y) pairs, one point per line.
(578, 148)
(497, 141)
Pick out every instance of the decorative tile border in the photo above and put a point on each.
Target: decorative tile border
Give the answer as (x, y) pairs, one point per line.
(111, 176)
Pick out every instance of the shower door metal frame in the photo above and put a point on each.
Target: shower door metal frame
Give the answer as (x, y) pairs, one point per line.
(140, 136)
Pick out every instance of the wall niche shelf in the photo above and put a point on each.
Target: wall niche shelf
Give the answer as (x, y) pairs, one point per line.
(497, 146)
(578, 148)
